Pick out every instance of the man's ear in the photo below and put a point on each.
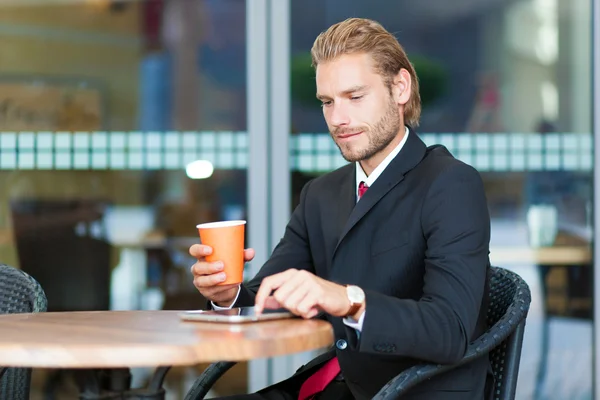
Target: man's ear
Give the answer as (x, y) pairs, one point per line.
(401, 87)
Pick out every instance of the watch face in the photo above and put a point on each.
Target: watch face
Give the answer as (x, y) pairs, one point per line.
(355, 294)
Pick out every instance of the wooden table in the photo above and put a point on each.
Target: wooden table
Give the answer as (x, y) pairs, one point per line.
(117, 340)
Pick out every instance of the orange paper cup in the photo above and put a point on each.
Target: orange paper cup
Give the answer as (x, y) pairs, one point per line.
(227, 241)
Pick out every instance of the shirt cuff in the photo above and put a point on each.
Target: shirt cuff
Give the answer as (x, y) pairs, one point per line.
(355, 324)
(216, 307)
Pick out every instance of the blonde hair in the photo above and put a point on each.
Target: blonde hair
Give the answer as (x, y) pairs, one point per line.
(359, 35)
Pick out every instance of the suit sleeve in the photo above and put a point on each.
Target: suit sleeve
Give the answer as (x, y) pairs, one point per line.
(438, 327)
(293, 251)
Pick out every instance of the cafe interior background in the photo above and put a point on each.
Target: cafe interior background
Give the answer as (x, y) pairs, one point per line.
(125, 123)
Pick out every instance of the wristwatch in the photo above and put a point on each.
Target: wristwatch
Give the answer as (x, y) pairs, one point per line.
(356, 296)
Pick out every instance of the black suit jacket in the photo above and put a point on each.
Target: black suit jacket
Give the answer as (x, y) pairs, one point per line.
(417, 243)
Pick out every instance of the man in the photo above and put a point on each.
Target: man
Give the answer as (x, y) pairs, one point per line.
(392, 248)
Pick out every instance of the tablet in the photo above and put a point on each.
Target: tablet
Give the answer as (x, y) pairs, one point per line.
(235, 315)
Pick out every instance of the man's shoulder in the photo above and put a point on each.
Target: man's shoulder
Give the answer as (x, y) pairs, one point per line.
(439, 161)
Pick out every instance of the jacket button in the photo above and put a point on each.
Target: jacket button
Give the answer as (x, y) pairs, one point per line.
(341, 344)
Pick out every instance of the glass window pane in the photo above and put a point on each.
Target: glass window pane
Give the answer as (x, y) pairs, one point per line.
(104, 106)
(505, 86)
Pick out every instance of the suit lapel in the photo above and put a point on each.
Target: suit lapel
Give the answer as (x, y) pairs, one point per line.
(347, 200)
(410, 155)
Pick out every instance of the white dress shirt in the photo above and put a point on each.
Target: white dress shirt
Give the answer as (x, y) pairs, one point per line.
(368, 180)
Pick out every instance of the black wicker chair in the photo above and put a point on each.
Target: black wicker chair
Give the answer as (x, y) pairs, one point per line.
(509, 304)
(19, 293)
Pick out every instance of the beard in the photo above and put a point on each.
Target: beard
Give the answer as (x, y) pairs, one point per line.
(380, 136)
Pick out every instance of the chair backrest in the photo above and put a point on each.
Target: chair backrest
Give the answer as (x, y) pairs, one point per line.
(53, 239)
(19, 293)
(509, 300)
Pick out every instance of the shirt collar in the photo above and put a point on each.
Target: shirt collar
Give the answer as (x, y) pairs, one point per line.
(369, 180)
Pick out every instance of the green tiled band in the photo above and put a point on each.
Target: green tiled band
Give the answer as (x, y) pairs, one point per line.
(309, 152)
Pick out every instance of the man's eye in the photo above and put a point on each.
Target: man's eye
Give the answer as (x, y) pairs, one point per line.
(356, 97)
(326, 104)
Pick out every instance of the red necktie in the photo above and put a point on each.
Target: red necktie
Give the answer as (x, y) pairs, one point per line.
(317, 382)
(362, 188)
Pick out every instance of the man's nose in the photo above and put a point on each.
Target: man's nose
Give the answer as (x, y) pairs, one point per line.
(339, 115)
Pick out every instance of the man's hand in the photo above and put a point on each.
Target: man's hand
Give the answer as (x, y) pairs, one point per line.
(302, 293)
(207, 276)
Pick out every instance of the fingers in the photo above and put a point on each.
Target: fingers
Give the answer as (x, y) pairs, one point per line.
(202, 267)
(294, 290)
(249, 254)
(208, 276)
(269, 284)
(272, 304)
(200, 250)
(216, 291)
(308, 307)
(205, 268)
(290, 294)
(302, 300)
(206, 281)
(303, 311)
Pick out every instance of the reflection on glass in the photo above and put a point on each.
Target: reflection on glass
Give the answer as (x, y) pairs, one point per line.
(136, 110)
